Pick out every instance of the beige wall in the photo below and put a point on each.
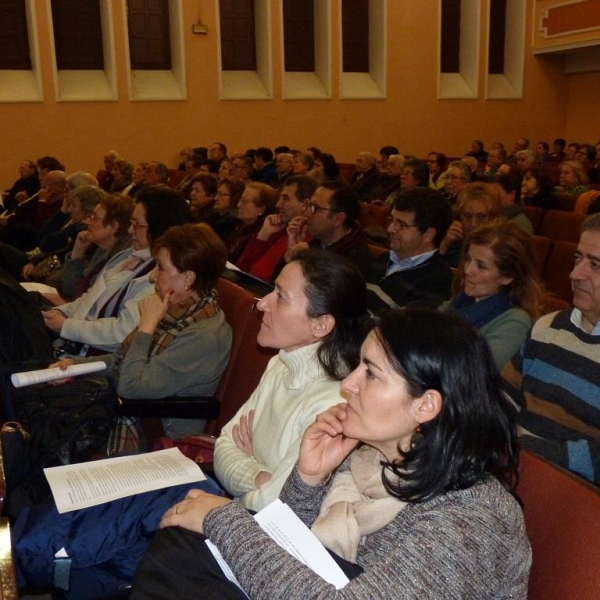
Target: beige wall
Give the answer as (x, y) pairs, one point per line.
(411, 116)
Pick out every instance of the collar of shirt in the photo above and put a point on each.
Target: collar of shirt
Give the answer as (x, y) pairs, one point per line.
(396, 263)
(576, 318)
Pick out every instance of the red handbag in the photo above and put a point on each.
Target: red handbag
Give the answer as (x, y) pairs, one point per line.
(200, 448)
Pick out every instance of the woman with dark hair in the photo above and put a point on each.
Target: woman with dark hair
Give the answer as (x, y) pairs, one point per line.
(409, 481)
(314, 317)
(202, 196)
(415, 173)
(536, 188)
(326, 168)
(224, 218)
(436, 162)
(496, 287)
(181, 344)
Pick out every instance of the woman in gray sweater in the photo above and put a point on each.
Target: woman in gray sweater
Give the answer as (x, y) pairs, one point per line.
(409, 481)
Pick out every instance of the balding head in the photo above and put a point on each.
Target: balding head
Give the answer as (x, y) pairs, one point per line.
(109, 159)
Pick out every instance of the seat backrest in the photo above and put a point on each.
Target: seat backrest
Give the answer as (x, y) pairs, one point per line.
(557, 269)
(247, 360)
(562, 516)
(535, 214)
(374, 215)
(560, 225)
(542, 247)
(584, 200)
(565, 202)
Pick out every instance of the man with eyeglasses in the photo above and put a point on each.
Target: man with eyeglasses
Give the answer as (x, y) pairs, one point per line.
(457, 175)
(478, 204)
(283, 165)
(412, 272)
(332, 221)
(266, 249)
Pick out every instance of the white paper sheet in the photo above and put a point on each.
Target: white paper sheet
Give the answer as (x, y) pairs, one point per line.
(280, 522)
(44, 375)
(100, 481)
(42, 288)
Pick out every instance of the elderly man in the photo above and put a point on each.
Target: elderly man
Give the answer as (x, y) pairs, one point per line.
(524, 159)
(332, 222)
(520, 144)
(242, 167)
(555, 378)
(26, 186)
(495, 158)
(412, 272)
(457, 175)
(283, 165)
(156, 174)
(366, 179)
(104, 176)
(267, 248)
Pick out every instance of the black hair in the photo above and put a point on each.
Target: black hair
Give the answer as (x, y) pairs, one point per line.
(265, 153)
(344, 199)
(430, 207)
(164, 208)
(474, 434)
(561, 142)
(50, 164)
(282, 150)
(511, 182)
(305, 185)
(334, 286)
(388, 150)
(212, 164)
(420, 170)
(330, 167)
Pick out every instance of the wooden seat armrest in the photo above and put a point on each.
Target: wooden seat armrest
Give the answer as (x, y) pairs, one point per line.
(176, 407)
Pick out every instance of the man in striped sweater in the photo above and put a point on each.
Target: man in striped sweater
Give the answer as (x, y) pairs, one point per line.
(556, 376)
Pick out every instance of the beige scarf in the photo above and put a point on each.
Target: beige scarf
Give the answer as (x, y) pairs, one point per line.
(356, 505)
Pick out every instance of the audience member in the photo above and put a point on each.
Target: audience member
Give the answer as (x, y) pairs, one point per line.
(457, 175)
(224, 219)
(326, 168)
(242, 168)
(26, 186)
(303, 163)
(525, 159)
(558, 150)
(414, 173)
(283, 166)
(218, 152)
(412, 272)
(478, 151)
(384, 155)
(366, 179)
(496, 287)
(477, 205)
(105, 176)
(495, 158)
(137, 180)
(508, 186)
(436, 161)
(156, 174)
(555, 377)
(267, 247)
(536, 188)
(264, 167)
(573, 179)
(542, 153)
(202, 196)
(121, 172)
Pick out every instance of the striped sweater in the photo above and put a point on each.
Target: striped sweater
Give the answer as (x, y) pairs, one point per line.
(556, 380)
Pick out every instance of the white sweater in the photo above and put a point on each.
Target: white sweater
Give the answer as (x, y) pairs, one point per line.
(291, 393)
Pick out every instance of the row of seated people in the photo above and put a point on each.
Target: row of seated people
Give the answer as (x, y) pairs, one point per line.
(246, 447)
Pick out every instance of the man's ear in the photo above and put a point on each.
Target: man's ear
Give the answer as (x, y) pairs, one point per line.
(322, 326)
(430, 234)
(428, 406)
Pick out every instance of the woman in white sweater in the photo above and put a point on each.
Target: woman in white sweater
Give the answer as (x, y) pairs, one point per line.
(314, 317)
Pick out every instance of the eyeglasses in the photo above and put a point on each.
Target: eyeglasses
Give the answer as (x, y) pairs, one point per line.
(399, 225)
(94, 218)
(137, 225)
(480, 218)
(223, 194)
(453, 177)
(315, 207)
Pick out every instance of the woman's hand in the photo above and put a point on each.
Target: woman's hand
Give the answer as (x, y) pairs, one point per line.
(455, 232)
(242, 433)
(53, 319)
(62, 365)
(27, 270)
(324, 447)
(152, 309)
(81, 245)
(192, 510)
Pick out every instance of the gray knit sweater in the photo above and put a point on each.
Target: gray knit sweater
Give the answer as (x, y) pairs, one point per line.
(470, 544)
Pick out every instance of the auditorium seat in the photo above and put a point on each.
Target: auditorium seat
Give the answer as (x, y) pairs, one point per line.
(542, 247)
(557, 269)
(535, 214)
(561, 514)
(584, 200)
(565, 202)
(374, 215)
(561, 226)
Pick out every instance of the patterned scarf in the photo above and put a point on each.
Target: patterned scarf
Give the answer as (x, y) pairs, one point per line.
(175, 321)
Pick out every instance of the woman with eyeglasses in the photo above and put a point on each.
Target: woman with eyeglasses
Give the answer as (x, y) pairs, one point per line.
(477, 204)
(224, 218)
(436, 161)
(496, 287)
(101, 318)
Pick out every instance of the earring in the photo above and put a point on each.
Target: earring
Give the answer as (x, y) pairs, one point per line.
(416, 436)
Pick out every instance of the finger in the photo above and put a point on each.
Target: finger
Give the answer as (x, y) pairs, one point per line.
(194, 494)
(237, 440)
(250, 423)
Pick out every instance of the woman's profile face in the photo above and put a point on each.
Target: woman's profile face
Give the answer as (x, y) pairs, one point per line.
(568, 177)
(167, 279)
(198, 197)
(223, 199)
(482, 278)
(285, 324)
(530, 186)
(248, 209)
(380, 410)
(138, 174)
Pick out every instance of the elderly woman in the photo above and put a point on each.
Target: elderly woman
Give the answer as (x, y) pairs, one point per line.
(496, 287)
(224, 219)
(121, 171)
(202, 196)
(421, 509)
(436, 161)
(325, 168)
(536, 188)
(303, 163)
(573, 179)
(257, 201)
(181, 344)
(477, 204)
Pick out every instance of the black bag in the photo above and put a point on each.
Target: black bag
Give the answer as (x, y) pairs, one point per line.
(68, 424)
